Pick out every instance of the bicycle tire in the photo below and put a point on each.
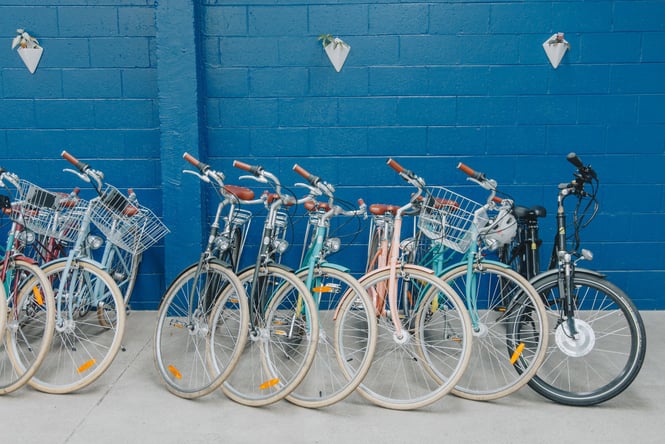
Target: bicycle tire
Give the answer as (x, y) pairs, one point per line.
(500, 363)
(182, 339)
(605, 366)
(400, 377)
(90, 324)
(346, 316)
(282, 339)
(29, 313)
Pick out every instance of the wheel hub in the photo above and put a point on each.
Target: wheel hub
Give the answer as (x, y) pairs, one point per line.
(578, 346)
(481, 330)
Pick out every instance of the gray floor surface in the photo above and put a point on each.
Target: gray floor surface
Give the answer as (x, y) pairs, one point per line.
(129, 405)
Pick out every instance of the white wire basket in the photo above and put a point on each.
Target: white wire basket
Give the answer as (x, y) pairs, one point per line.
(447, 217)
(127, 224)
(47, 213)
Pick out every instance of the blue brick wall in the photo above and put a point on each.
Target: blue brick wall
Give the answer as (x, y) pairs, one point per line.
(428, 82)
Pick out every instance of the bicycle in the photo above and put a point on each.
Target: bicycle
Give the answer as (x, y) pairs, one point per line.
(421, 353)
(497, 297)
(202, 321)
(347, 325)
(598, 339)
(283, 321)
(27, 307)
(90, 312)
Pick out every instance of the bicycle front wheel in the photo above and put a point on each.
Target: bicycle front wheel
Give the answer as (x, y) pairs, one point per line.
(501, 361)
(283, 335)
(400, 376)
(29, 313)
(607, 353)
(201, 330)
(347, 339)
(89, 325)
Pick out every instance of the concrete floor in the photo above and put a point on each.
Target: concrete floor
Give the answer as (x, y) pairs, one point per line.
(129, 405)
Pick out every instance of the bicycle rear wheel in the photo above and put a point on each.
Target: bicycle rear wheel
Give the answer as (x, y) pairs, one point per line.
(608, 352)
(29, 313)
(205, 301)
(400, 376)
(89, 325)
(346, 318)
(501, 361)
(283, 336)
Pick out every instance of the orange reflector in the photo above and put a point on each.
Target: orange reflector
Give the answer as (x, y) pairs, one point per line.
(175, 372)
(280, 332)
(38, 295)
(234, 301)
(516, 354)
(269, 384)
(86, 366)
(322, 289)
(456, 339)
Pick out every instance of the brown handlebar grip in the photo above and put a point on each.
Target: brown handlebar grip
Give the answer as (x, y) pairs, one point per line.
(81, 166)
(496, 199)
(242, 165)
(300, 170)
(69, 158)
(466, 169)
(395, 166)
(191, 159)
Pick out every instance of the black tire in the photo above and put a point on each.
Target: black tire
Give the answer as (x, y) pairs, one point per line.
(611, 352)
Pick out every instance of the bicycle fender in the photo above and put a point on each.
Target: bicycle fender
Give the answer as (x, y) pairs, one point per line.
(453, 266)
(577, 270)
(79, 259)
(283, 267)
(337, 267)
(387, 267)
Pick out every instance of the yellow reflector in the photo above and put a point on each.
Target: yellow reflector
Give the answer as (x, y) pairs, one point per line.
(516, 354)
(322, 289)
(269, 384)
(174, 371)
(280, 332)
(86, 366)
(38, 295)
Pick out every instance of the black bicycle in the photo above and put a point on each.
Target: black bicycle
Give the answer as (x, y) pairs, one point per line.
(597, 336)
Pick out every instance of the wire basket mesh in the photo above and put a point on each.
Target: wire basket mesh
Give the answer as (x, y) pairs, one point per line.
(47, 213)
(127, 224)
(447, 217)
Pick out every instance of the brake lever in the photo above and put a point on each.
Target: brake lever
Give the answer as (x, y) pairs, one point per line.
(83, 177)
(200, 176)
(261, 179)
(312, 190)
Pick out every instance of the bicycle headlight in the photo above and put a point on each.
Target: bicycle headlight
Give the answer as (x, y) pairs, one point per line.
(280, 245)
(222, 243)
(25, 237)
(408, 245)
(94, 242)
(332, 244)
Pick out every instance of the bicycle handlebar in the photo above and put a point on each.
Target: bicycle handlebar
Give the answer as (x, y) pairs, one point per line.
(202, 167)
(471, 172)
(311, 178)
(85, 172)
(256, 170)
